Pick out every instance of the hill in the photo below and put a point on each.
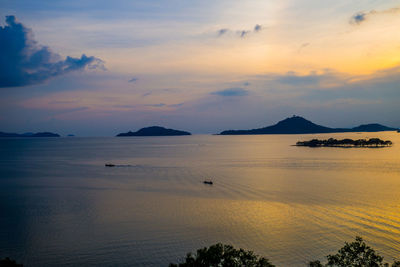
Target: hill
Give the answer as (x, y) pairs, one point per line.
(42, 134)
(373, 127)
(299, 125)
(154, 131)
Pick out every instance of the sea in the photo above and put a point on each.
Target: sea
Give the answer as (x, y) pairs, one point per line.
(61, 206)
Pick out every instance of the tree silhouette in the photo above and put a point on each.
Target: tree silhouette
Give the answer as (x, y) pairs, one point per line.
(331, 142)
(223, 255)
(354, 254)
(7, 262)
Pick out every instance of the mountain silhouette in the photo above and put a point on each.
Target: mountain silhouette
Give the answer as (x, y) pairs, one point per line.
(155, 131)
(373, 127)
(42, 134)
(299, 125)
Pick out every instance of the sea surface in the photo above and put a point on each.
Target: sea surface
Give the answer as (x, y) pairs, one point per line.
(60, 206)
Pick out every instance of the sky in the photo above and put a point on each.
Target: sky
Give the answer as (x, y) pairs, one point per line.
(98, 68)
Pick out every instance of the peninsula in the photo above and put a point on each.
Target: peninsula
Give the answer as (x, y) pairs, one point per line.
(42, 134)
(154, 131)
(299, 125)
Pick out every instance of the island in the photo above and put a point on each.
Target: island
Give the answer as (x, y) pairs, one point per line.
(331, 142)
(299, 125)
(154, 131)
(41, 134)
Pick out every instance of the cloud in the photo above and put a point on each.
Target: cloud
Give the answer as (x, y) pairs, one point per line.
(295, 79)
(222, 31)
(177, 105)
(304, 45)
(24, 62)
(321, 80)
(69, 110)
(156, 105)
(61, 102)
(363, 16)
(243, 33)
(124, 106)
(147, 94)
(257, 28)
(358, 18)
(231, 92)
(132, 80)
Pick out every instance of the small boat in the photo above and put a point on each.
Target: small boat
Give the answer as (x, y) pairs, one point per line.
(109, 165)
(207, 182)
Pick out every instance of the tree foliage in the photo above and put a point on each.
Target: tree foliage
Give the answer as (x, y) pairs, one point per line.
(223, 255)
(354, 254)
(331, 142)
(7, 262)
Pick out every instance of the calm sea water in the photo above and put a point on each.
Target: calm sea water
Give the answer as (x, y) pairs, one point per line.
(60, 206)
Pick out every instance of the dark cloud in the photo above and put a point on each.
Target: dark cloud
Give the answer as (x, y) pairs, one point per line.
(246, 83)
(24, 62)
(177, 105)
(147, 94)
(257, 28)
(363, 16)
(232, 92)
(222, 31)
(156, 105)
(132, 80)
(358, 18)
(243, 33)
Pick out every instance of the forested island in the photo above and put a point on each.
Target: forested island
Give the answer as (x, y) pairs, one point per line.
(42, 134)
(154, 131)
(299, 125)
(331, 142)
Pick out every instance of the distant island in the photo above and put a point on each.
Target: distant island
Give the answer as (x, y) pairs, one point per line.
(154, 131)
(331, 142)
(42, 134)
(299, 125)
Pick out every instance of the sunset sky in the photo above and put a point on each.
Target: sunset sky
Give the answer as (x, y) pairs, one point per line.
(97, 68)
